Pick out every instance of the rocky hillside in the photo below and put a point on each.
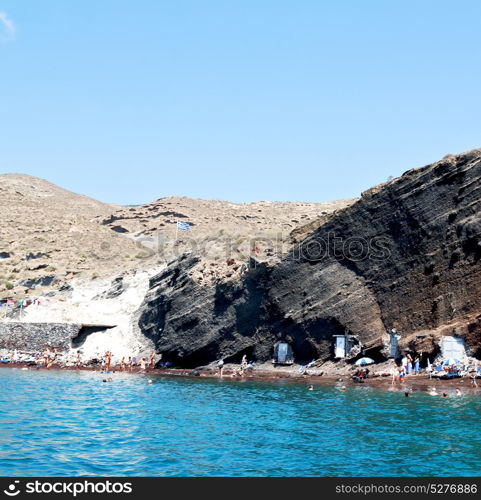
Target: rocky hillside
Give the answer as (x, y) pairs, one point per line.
(406, 255)
(219, 231)
(215, 217)
(50, 237)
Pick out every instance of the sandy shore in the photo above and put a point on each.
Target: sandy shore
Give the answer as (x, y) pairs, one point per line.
(421, 382)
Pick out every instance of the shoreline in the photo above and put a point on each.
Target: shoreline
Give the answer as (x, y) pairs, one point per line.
(414, 383)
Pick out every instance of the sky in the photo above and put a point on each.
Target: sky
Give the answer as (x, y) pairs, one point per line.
(306, 100)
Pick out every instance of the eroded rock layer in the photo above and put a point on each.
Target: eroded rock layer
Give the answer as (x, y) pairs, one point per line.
(405, 256)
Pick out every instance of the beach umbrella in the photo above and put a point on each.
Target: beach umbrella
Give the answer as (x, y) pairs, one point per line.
(451, 361)
(364, 361)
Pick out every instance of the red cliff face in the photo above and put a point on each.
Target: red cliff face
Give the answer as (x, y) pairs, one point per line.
(405, 256)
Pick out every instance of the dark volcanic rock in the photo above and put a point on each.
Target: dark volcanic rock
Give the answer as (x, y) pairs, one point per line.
(119, 229)
(117, 288)
(37, 255)
(40, 281)
(193, 324)
(406, 255)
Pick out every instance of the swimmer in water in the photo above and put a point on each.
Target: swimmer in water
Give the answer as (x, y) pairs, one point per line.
(150, 382)
(445, 395)
(343, 388)
(458, 391)
(310, 388)
(433, 392)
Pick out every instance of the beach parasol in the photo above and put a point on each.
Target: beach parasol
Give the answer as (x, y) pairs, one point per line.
(364, 361)
(451, 361)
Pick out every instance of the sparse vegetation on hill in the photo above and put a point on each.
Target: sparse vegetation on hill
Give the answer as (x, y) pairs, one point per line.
(50, 235)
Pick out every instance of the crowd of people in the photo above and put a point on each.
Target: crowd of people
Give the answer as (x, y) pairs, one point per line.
(125, 363)
(245, 366)
(408, 366)
(105, 362)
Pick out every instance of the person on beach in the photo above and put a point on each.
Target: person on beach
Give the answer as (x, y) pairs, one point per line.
(394, 374)
(143, 364)
(409, 364)
(472, 377)
(108, 360)
(416, 365)
(122, 364)
(152, 360)
(244, 362)
(51, 359)
(78, 361)
(130, 364)
(220, 365)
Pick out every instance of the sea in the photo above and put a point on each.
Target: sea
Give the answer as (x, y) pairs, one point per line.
(69, 423)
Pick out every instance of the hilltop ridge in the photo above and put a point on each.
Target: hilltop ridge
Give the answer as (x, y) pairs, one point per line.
(50, 235)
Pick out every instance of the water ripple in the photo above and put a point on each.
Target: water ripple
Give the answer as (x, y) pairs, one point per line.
(72, 424)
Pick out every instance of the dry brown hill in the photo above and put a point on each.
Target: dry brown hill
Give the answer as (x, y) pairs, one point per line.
(208, 217)
(50, 235)
(219, 230)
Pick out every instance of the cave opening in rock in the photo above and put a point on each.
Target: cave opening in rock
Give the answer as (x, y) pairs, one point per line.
(87, 330)
(237, 357)
(375, 353)
(196, 359)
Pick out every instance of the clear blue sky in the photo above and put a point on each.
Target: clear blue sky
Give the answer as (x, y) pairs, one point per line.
(128, 101)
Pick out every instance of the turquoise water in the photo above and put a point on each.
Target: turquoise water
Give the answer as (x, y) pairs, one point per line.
(72, 424)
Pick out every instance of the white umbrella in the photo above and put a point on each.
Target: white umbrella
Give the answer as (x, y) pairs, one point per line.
(451, 361)
(364, 361)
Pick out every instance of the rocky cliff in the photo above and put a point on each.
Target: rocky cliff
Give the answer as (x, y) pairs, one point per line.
(405, 256)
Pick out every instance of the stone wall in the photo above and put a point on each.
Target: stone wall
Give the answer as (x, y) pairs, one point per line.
(36, 337)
